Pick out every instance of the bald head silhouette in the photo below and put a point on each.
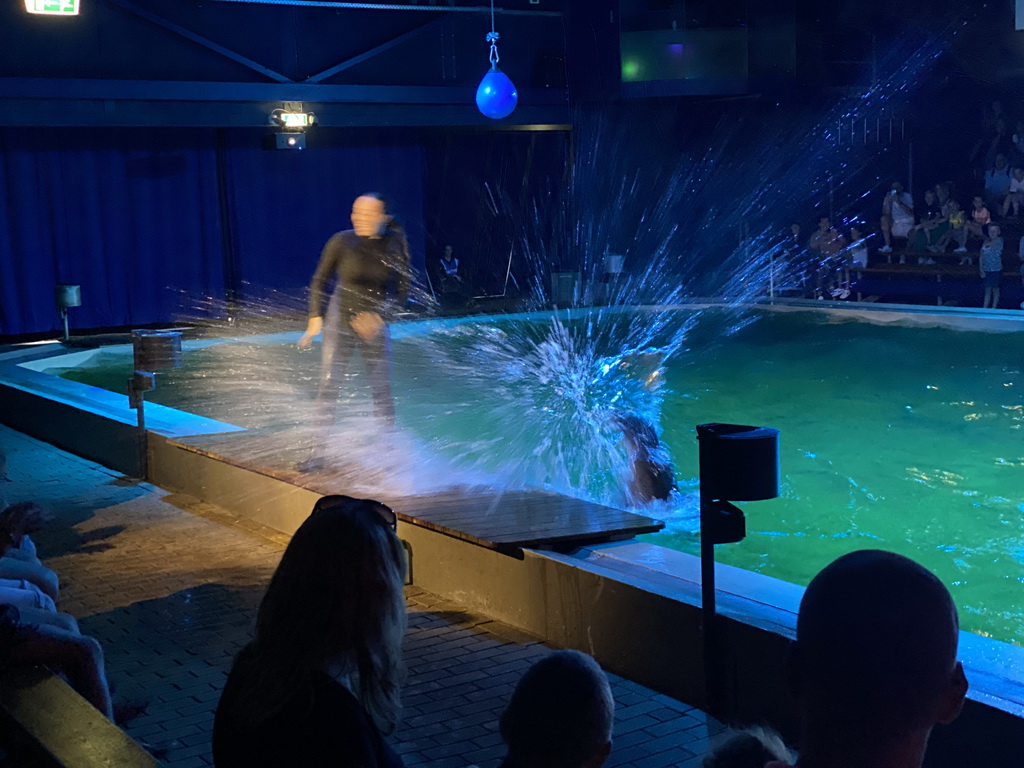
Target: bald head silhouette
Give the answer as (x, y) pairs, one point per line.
(875, 654)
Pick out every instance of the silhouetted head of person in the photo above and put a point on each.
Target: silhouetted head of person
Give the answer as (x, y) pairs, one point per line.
(874, 661)
(748, 748)
(560, 715)
(335, 604)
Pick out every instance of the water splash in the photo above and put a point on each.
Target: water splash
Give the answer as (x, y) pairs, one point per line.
(528, 403)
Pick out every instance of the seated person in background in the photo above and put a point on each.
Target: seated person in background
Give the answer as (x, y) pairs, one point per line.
(990, 266)
(449, 266)
(78, 659)
(748, 748)
(1015, 194)
(858, 247)
(825, 247)
(957, 220)
(897, 215)
(932, 220)
(976, 225)
(997, 180)
(560, 715)
(319, 683)
(652, 475)
(874, 665)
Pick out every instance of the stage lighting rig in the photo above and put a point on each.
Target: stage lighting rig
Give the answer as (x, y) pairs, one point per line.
(294, 121)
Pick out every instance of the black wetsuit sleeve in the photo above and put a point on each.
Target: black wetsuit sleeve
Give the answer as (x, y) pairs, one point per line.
(328, 265)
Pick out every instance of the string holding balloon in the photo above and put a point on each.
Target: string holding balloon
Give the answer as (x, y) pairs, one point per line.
(496, 96)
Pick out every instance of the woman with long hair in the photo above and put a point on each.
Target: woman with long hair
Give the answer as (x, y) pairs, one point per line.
(319, 684)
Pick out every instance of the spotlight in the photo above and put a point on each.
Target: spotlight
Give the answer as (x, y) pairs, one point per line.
(290, 140)
(67, 296)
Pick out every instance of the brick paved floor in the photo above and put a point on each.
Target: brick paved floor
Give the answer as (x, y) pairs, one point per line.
(170, 586)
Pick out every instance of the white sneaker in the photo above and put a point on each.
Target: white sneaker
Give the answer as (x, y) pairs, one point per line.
(885, 249)
(961, 249)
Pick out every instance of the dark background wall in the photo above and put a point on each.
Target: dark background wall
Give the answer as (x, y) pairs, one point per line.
(134, 140)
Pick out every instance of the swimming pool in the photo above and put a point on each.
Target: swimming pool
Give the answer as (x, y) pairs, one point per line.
(903, 438)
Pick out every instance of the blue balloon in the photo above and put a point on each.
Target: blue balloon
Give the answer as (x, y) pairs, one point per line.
(496, 97)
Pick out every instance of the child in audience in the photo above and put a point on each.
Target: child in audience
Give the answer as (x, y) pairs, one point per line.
(749, 748)
(560, 714)
(975, 227)
(921, 235)
(897, 216)
(956, 219)
(990, 266)
(1016, 192)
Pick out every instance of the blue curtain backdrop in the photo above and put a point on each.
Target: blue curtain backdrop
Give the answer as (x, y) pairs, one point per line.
(130, 216)
(284, 205)
(140, 220)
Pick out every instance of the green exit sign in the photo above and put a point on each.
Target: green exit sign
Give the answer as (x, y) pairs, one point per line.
(53, 7)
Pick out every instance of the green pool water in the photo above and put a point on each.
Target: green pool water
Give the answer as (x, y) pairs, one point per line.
(903, 438)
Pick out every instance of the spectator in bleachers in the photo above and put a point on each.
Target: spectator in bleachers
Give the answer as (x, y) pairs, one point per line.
(957, 233)
(824, 248)
(874, 664)
(897, 216)
(858, 247)
(1018, 141)
(931, 228)
(976, 226)
(319, 683)
(748, 748)
(1015, 194)
(997, 180)
(943, 195)
(990, 265)
(560, 715)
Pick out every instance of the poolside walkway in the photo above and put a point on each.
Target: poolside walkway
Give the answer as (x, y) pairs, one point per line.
(170, 586)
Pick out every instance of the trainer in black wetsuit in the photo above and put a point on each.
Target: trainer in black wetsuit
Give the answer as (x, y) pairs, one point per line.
(372, 273)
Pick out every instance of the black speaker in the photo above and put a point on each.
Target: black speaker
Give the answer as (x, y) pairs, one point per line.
(738, 462)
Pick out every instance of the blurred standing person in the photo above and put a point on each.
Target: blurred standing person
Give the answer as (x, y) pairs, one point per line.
(372, 267)
(825, 246)
(897, 216)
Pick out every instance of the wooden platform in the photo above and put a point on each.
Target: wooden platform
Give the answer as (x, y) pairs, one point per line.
(504, 520)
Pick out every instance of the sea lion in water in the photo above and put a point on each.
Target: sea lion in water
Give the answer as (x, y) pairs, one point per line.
(652, 473)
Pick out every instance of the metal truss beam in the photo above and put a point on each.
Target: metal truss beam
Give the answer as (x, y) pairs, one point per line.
(200, 40)
(397, 7)
(378, 49)
(168, 90)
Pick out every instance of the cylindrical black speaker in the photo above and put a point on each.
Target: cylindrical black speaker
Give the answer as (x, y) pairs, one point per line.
(156, 350)
(68, 296)
(738, 462)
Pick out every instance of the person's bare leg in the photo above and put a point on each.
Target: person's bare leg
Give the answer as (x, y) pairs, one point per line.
(995, 297)
(887, 230)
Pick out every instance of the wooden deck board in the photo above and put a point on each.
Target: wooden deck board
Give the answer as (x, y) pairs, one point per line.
(492, 518)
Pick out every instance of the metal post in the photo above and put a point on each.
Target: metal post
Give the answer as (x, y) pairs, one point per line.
(910, 167)
(712, 661)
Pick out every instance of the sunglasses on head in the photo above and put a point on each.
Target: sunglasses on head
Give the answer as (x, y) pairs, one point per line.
(384, 514)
